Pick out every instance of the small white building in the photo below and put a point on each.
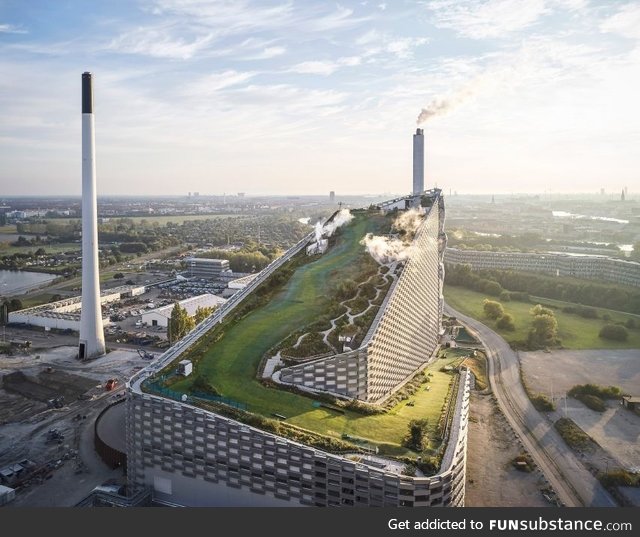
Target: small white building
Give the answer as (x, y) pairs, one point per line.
(185, 367)
(161, 316)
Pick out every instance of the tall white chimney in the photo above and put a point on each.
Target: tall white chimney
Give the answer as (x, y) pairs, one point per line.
(91, 329)
(418, 161)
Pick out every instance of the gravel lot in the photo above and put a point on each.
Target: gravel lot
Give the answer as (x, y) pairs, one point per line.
(617, 430)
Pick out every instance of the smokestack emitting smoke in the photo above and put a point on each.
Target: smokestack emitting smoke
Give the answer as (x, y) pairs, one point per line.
(391, 249)
(91, 330)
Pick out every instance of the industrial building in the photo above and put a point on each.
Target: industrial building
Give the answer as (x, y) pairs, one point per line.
(207, 269)
(66, 314)
(189, 455)
(161, 316)
(405, 332)
(591, 267)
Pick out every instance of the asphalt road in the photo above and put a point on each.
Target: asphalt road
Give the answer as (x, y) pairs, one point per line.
(573, 483)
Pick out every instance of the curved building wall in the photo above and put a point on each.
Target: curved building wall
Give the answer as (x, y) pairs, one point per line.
(193, 457)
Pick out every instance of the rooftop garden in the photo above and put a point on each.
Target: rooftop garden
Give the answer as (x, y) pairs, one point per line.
(311, 306)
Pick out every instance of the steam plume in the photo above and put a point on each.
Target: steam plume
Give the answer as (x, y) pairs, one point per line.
(389, 249)
(343, 217)
(442, 106)
(385, 249)
(409, 221)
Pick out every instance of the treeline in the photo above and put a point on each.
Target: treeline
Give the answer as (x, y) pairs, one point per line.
(494, 282)
(243, 261)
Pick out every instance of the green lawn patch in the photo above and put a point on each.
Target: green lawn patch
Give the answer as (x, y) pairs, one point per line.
(574, 331)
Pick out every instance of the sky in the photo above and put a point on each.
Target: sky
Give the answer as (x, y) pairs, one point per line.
(304, 97)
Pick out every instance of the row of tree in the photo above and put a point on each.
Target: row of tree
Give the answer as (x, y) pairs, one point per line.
(591, 293)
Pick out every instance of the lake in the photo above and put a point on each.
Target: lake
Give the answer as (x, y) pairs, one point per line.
(16, 282)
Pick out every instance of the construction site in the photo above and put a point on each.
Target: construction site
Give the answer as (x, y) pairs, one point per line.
(49, 402)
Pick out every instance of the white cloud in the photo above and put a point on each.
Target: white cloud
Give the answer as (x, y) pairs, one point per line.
(325, 67)
(626, 22)
(403, 47)
(480, 19)
(159, 42)
(11, 29)
(266, 53)
(210, 84)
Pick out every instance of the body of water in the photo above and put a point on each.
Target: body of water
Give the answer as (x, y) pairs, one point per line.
(564, 214)
(15, 282)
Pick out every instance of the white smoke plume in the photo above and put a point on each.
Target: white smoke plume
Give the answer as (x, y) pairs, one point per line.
(318, 230)
(388, 249)
(409, 221)
(442, 106)
(343, 217)
(385, 249)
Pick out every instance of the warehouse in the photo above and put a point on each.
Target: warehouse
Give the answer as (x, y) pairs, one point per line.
(161, 316)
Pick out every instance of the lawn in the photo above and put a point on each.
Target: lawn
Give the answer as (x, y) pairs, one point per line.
(574, 331)
(231, 364)
(48, 248)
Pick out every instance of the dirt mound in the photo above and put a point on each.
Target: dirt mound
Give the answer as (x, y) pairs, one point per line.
(48, 385)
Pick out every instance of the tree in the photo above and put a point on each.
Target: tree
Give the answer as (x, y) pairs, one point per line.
(615, 332)
(179, 323)
(202, 313)
(539, 309)
(417, 431)
(544, 330)
(506, 322)
(493, 288)
(492, 309)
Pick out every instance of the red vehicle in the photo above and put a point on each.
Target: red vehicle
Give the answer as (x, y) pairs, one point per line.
(111, 384)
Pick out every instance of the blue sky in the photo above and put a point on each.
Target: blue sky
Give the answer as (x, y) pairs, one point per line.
(303, 97)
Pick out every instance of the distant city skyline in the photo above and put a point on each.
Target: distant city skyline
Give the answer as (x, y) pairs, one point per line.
(301, 98)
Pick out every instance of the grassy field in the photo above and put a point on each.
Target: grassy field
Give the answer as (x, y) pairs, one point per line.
(575, 332)
(231, 364)
(48, 248)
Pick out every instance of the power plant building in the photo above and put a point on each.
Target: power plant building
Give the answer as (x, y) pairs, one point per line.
(196, 456)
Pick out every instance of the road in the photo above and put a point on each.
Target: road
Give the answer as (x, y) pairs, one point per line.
(573, 483)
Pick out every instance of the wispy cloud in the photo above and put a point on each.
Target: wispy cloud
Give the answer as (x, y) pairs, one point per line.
(160, 42)
(266, 53)
(480, 19)
(626, 22)
(210, 84)
(325, 67)
(11, 29)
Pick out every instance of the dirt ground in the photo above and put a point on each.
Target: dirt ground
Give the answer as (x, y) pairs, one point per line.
(560, 370)
(616, 430)
(492, 480)
(25, 422)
